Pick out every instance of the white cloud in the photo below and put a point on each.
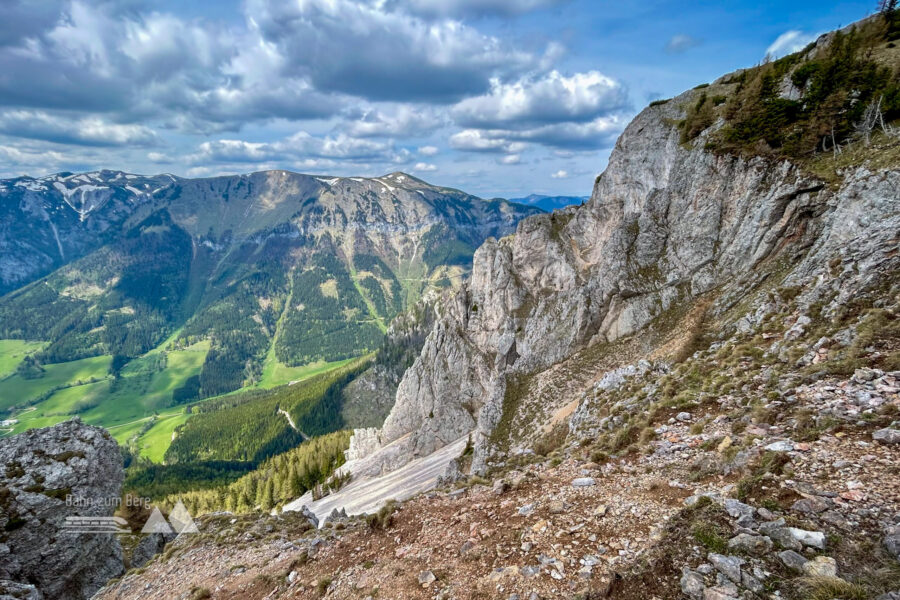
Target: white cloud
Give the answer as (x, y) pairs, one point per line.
(552, 98)
(87, 131)
(403, 120)
(474, 140)
(681, 43)
(790, 42)
(428, 150)
(425, 167)
(367, 50)
(299, 147)
(510, 159)
(463, 8)
(599, 133)
(159, 158)
(561, 174)
(12, 156)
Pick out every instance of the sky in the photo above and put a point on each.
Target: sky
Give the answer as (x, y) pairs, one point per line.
(500, 98)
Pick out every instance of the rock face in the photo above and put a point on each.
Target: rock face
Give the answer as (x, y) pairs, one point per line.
(666, 225)
(39, 471)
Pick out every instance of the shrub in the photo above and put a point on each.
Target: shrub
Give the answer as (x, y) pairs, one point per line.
(708, 536)
(383, 518)
(322, 585)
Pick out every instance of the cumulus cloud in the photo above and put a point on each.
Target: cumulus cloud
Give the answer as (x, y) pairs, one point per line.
(18, 157)
(423, 167)
(561, 174)
(468, 8)
(372, 79)
(299, 146)
(552, 98)
(159, 158)
(141, 67)
(474, 140)
(584, 111)
(594, 135)
(364, 50)
(293, 61)
(790, 42)
(402, 120)
(87, 131)
(681, 43)
(23, 19)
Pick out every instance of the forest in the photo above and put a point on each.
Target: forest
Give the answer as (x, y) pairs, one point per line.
(248, 426)
(836, 94)
(276, 481)
(123, 300)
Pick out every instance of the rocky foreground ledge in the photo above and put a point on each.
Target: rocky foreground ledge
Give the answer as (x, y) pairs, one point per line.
(47, 475)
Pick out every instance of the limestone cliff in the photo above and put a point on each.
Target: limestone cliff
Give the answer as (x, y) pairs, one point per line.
(668, 223)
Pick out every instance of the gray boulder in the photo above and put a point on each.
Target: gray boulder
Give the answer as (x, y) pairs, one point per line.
(887, 436)
(792, 560)
(753, 544)
(729, 566)
(47, 475)
(11, 590)
(892, 540)
(310, 516)
(692, 584)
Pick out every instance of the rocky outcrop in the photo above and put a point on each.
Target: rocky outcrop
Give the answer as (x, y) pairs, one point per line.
(667, 223)
(367, 400)
(47, 475)
(149, 546)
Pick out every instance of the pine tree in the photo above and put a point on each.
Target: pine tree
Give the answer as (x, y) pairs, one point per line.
(267, 502)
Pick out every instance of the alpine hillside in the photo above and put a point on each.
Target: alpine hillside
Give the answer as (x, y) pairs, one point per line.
(688, 387)
(127, 295)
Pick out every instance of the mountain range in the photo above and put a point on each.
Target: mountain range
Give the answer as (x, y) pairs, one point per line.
(251, 276)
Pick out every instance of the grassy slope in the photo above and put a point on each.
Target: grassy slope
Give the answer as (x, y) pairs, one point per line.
(154, 443)
(12, 352)
(373, 312)
(276, 373)
(123, 406)
(16, 390)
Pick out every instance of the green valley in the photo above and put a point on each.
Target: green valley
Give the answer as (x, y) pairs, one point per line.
(183, 314)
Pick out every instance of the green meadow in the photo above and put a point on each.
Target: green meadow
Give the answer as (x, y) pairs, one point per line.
(275, 373)
(12, 352)
(85, 388)
(136, 407)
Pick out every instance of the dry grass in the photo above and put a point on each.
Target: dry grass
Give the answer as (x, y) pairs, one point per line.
(831, 588)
